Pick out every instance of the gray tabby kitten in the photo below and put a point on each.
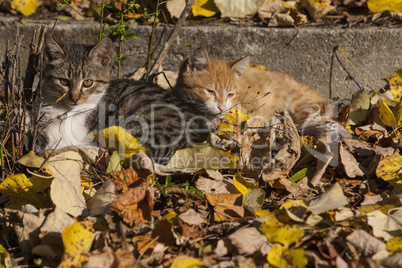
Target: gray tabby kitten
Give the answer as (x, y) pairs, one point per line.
(160, 119)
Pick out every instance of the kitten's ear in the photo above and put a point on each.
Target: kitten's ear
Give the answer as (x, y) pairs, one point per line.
(101, 53)
(240, 66)
(53, 49)
(198, 61)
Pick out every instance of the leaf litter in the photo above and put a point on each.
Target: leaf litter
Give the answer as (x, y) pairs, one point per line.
(312, 202)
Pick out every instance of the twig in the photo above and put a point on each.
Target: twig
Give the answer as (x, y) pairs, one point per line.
(152, 38)
(171, 38)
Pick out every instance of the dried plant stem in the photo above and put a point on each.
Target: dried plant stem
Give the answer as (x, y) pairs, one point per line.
(171, 38)
(152, 39)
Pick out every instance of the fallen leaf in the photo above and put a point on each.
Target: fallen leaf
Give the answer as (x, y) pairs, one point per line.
(191, 217)
(175, 8)
(183, 261)
(77, 240)
(193, 159)
(125, 178)
(233, 123)
(242, 185)
(366, 243)
(317, 8)
(224, 199)
(117, 138)
(163, 231)
(101, 202)
(26, 7)
(279, 256)
(134, 206)
(278, 232)
(384, 5)
(333, 198)
(205, 8)
(211, 186)
(252, 201)
(383, 225)
(254, 243)
(389, 167)
(238, 9)
(395, 245)
(65, 190)
(352, 168)
(305, 172)
(359, 107)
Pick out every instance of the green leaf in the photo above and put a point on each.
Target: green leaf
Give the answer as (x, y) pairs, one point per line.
(305, 172)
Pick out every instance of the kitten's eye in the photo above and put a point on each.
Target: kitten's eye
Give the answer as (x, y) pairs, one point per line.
(211, 92)
(230, 95)
(64, 82)
(88, 83)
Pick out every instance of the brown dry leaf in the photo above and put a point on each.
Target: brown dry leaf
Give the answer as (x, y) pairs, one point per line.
(125, 178)
(260, 140)
(65, 190)
(100, 203)
(105, 258)
(352, 168)
(225, 213)
(191, 217)
(211, 186)
(135, 205)
(317, 8)
(256, 241)
(239, 8)
(224, 199)
(366, 243)
(124, 258)
(163, 230)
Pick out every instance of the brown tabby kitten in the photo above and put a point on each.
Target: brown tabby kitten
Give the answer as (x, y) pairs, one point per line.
(162, 120)
(224, 84)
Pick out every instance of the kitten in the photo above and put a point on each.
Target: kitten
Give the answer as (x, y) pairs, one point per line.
(162, 120)
(212, 82)
(225, 85)
(81, 74)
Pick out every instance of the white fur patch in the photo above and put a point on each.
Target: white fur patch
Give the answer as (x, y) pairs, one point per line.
(69, 126)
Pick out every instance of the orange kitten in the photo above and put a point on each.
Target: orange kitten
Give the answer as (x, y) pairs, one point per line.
(223, 85)
(214, 82)
(263, 92)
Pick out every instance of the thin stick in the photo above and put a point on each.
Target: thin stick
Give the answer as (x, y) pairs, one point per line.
(152, 38)
(171, 38)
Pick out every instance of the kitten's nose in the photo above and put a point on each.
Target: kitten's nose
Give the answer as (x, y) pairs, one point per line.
(75, 97)
(221, 108)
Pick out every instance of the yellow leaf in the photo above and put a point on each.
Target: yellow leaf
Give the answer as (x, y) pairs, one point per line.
(3, 255)
(242, 185)
(320, 3)
(206, 8)
(395, 84)
(395, 245)
(232, 122)
(389, 167)
(21, 191)
(77, 240)
(385, 5)
(117, 138)
(26, 7)
(33, 161)
(278, 232)
(293, 204)
(183, 261)
(261, 213)
(386, 115)
(170, 216)
(85, 184)
(284, 258)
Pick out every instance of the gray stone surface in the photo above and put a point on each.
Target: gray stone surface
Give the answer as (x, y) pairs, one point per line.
(307, 54)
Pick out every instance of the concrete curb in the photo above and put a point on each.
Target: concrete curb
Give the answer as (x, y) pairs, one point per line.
(308, 54)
